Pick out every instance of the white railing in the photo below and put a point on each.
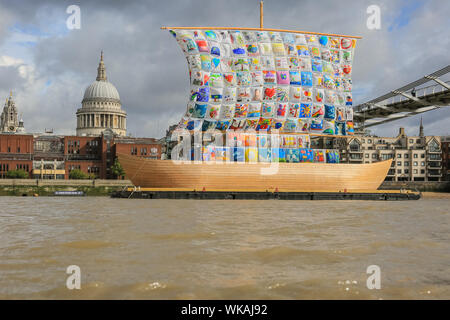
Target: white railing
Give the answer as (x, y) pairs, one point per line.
(420, 93)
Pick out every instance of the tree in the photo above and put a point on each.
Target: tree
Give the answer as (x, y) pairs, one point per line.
(117, 169)
(17, 174)
(78, 174)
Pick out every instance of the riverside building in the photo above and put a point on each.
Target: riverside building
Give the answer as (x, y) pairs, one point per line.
(415, 158)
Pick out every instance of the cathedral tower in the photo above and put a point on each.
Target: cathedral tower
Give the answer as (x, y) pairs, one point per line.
(9, 121)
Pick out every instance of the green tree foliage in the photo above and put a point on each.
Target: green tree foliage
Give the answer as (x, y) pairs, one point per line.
(117, 169)
(17, 174)
(78, 174)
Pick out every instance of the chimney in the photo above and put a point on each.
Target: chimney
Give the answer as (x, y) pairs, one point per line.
(401, 131)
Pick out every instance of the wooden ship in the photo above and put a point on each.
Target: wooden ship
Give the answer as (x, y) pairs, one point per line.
(244, 81)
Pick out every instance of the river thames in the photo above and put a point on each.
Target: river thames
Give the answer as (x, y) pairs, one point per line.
(189, 249)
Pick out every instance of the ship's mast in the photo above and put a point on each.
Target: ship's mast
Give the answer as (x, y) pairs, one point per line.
(261, 14)
(261, 27)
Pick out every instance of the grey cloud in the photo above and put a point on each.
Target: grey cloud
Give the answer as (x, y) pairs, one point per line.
(10, 78)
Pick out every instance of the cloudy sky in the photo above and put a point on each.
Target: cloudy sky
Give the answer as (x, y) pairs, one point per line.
(48, 66)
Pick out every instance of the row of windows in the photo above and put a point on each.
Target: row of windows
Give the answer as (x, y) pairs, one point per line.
(391, 156)
(406, 171)
(434, 156)
(22, 167)
(5, 167)
(383, 141)
(415, 156)
(9, 149)
(143, 151)
(89, 169)
(93, 170)
(74, 143)
(415, 163)
(134, 151)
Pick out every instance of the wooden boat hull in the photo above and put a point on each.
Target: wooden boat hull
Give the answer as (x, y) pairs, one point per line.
(236, 176)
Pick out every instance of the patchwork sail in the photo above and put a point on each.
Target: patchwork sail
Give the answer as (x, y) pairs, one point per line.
(263, 80)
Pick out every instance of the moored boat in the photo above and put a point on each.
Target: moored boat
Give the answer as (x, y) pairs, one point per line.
(241, 176)
(259, 96)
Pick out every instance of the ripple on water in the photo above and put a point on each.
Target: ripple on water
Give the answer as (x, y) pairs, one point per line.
(87, 244)
(283, 253)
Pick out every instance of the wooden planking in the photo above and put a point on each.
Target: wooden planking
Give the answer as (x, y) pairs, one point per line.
(310, 177)
(262, 29)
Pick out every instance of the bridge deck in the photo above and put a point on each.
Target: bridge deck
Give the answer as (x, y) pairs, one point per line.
(406, 101)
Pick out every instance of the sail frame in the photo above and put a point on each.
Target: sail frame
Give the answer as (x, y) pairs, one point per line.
(262, 29)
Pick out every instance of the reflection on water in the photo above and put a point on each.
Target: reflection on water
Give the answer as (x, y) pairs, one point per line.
(188, 249)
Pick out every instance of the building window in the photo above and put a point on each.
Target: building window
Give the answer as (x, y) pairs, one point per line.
(411, 141)
(415, 155)
(369, 140)
(415, 171)
(374, 156)
(415, 163)
(422, 171)
(399, 155)
(354, 146)
(399, 163)
(356, 156)
(9, 149)
(435, 156)
(422, 155)
(367, 155)
(399, 171)
(406, 171)
(406, 156)
(422, 163)
(406, 163)
(434, 146)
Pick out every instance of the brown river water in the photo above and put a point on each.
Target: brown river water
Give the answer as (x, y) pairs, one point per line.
(199, 249)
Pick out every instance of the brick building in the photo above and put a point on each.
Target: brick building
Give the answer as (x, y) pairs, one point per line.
(53, 157)
(143, 147)
(16, 152)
